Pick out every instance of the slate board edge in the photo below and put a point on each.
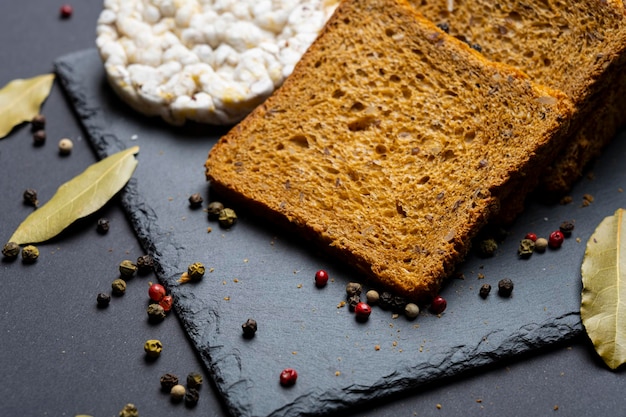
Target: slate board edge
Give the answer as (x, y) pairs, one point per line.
(165, 248)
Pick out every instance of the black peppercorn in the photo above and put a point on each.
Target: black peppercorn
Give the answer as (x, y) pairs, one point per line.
(38, 122)
(385, 300)
(484, 291)
(249, 328)
(505, 287)
(566, 228)
(145, 264)
(39, 137)
(195, 200)
(11, 250)
(168, 381)
(214, 209)
(397, 304)
(194, 380)
(102, 226)
(103, 299)
(30, 197)
(191, 397)
(444, 26)
(353, 300)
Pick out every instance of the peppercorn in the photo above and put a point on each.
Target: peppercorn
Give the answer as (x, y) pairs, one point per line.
(38, 122)
(30, 254)
(167, 302)
(526, 248)
(196, 271)
(531, 236)
(103, 299)
(566, 228)
(118, 286)
(353, 288)
(541, 244)
(362, 311)
(127, 269)
(385, 300)
(353, 300)
(39, 137)
(156, 292)
(177, 392)
(153, 348)
(10, 250)
(191, 397)
(288, 377)
(168, 381)
(194, 380)
(372, 297)
(65, 146)
(484, 291)
(103, 226)
(195, 200)
(156, 313)
(395, 303)
(411, 310)
(66, 11)
(555, 240)
(505, 287)
(214, 209)
(30, 197)
(438, 305)
(321, 278)
(145, 264)
(487, 248)
(227, 217)
(249, 328)
(129, 410)
(444, 26)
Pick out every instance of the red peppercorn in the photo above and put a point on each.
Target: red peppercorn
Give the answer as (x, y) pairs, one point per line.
(556, 239)
(156, 292)
(531, 236)
(438, 305)
(362, 311)
(166, 302)
(66, 11)
(288, 377)
(321, 278)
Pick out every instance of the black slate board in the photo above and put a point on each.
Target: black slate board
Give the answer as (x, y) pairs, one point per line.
(259, 272)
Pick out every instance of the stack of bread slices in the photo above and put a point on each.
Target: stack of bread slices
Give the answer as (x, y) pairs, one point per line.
(405, 128)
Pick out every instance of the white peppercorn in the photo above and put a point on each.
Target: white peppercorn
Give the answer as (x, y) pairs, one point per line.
(372, 297)
(65, 146)
(541, 244)
(177, 392)
(411, 310)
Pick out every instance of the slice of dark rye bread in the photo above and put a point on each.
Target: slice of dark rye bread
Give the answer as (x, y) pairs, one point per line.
(578, 47)
(391, 145)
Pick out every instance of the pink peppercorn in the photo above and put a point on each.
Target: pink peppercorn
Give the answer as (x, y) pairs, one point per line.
(321, 278)
(288, 377)
(362, 311)
(555, 240)
(531, 236)
(438, 305)
(66, 11)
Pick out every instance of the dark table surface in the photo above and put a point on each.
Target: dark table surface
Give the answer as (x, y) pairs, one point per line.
(62, 356)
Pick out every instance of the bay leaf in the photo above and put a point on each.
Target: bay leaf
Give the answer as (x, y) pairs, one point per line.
(77, 198)
(603, 301)
(21, 100)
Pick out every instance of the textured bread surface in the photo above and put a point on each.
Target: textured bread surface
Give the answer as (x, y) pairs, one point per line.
(391, 145)
(577, 47)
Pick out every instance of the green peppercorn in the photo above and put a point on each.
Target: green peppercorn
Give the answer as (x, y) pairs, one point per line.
(195, 271)
(30, 197)
(177, 392)
(249, 328)
(145, 264)
(30, 254)
(484, 291)
(541, 244)
(127, 269)
(505, 287)
(153, 348)
(168, 381)
(195, 200)
(487, 248)
(526, 248)
(103, 299)
(156, 313)
(194, 380)
(10, 250)
(227, 217)
(129, 410)
(118, 286)
(191, 397)
(103, 226)
(214, 209)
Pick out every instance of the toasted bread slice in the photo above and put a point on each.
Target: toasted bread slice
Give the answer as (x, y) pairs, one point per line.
(391, 145)
(577, 47)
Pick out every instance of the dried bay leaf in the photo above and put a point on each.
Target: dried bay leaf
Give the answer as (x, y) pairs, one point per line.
(77, 198)
(603, 304)
(21, 99)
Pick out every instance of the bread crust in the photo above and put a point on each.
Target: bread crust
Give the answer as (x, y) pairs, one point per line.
(391, 145)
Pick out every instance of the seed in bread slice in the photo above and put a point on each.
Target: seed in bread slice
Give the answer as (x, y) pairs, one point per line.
(391, 145)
